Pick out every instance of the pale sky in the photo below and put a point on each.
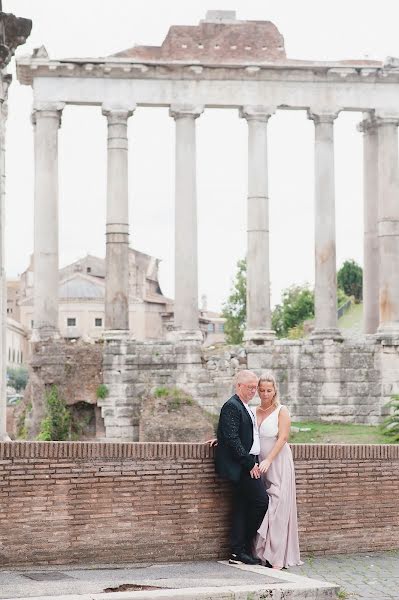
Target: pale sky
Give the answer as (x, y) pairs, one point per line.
(312, 29)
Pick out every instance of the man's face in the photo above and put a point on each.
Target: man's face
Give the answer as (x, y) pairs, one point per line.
(247, 389)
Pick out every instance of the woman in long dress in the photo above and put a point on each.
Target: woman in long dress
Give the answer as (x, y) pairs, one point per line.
(277, 540)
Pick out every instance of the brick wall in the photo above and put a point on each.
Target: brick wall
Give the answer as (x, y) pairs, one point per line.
(112, 503)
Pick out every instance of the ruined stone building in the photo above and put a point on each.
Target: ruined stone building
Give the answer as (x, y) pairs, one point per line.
(226, 63)
(13, 32)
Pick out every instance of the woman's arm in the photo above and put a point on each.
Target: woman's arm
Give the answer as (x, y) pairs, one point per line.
(284, 425)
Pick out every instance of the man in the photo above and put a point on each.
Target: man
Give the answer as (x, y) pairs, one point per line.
(236, 459)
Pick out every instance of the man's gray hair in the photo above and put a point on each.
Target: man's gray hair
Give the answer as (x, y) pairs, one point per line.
(244, 375)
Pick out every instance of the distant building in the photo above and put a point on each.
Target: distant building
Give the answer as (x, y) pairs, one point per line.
(17, 347)
(13, 287)
(81, 301)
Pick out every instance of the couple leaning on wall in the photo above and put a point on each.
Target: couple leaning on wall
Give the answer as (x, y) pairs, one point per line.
(252, 452)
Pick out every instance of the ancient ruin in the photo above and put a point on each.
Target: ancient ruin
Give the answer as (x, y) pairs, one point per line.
(227, 63)
(13, 32)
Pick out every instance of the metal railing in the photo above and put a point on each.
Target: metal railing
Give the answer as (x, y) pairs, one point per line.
(344, 308)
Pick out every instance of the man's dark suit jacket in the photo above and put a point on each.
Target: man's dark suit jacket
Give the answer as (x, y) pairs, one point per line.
(235, 438)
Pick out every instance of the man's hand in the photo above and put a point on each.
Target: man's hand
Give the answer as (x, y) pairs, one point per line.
(264, 465)
(213, 442)
(254, 472)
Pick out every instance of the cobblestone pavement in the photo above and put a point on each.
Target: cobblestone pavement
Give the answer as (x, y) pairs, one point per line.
(373, 576)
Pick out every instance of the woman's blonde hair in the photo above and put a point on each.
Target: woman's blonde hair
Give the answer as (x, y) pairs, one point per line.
(268, 377)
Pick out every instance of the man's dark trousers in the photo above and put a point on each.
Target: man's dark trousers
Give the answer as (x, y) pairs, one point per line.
(250, 503)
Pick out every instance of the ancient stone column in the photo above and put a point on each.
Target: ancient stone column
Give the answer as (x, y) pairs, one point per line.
(258, 327)
(46, 120)
(13, 32)
(388, 226)
(370, 207)
(3, 284)
(186, 262)
(325, 256)
(117, 226)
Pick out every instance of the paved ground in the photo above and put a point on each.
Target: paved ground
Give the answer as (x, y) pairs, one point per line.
(199, 580)
(373, 576)
(38, 582)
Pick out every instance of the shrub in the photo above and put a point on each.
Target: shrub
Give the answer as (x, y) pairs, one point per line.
(17, 378)
(56, 426)
(390, 426)
(102, 391)
(350, 279)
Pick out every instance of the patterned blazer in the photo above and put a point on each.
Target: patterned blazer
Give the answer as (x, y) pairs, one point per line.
(235, 438)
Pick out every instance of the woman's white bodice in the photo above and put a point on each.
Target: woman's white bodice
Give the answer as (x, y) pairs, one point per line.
(269, 427)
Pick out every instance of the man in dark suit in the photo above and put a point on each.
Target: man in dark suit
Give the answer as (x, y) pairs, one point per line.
(236, 459)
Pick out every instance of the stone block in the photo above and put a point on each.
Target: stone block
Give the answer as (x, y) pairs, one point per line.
(331, 390)
(332, 360)
(107, 413)
(357, 388)
(125, 411)
(333, 375)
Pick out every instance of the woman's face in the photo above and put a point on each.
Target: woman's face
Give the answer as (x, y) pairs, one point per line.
(266, 392)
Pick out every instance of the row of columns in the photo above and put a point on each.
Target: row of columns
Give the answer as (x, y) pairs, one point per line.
(381, 181)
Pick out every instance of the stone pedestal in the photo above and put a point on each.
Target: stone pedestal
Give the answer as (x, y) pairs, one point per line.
(186, 244)
(325, 255)
(117, 227)
(258, 329)
(46, 120)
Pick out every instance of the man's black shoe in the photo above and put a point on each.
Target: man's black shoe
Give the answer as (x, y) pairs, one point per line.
(242, 558)
(269, 565)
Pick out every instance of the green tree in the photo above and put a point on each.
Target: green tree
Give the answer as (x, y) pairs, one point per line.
(56, 426)
(17, 378)
(350, 279)
(235, 308)
(297, 305)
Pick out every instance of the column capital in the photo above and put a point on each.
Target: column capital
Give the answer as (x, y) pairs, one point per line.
(368, 124)
(257, 113)
(47, 110)
(181, 111)
(386, 117)
(116, 114)
(323, 115)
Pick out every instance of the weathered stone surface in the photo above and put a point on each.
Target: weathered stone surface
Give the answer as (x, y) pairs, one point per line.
(75, 368)
(171, 415)
(350, 382)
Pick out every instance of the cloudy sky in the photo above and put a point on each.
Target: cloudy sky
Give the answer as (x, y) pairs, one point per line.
(89, 28)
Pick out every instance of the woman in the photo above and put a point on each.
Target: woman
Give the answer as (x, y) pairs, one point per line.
(277, 539)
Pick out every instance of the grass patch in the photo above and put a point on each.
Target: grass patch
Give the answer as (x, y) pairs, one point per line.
(352, 318)
(174, 397)
(337, 433)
